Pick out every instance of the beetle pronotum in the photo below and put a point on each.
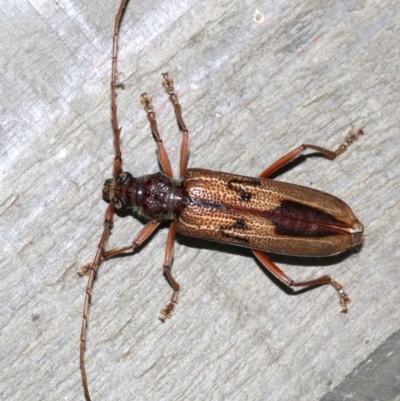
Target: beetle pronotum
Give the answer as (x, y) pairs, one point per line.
(256, 213)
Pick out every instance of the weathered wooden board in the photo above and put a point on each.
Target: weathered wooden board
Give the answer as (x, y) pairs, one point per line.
(256, 79)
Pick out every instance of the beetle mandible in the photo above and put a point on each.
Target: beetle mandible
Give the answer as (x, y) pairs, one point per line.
(257, 213)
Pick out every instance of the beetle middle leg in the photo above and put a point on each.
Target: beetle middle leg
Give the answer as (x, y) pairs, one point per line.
(352, 136)
(279, 274)
(166, 311)
(168, 84)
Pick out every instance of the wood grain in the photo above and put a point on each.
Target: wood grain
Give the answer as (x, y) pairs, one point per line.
(255, 79)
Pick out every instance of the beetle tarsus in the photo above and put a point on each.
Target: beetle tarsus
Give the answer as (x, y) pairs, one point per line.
(343, 297)
(352, 136)
(85, 269)
(166, 311)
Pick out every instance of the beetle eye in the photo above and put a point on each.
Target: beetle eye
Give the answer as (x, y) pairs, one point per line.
(117, 203)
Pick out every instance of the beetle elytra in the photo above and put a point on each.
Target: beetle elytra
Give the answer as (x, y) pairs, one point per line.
(260, 214)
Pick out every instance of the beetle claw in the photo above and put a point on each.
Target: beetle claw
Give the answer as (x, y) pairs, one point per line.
(343, 300)
(166, 311)
(85, 269)
(343, 297)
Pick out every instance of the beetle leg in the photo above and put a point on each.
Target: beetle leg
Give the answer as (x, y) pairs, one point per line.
(146, 102)
(143, 234)
(166, 311)
(168, 85)
(279, 274)
(352, 136)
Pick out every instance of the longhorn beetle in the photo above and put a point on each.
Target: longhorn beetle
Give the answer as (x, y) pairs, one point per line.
(257, 213)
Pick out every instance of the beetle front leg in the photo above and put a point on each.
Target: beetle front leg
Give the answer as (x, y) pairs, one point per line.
(280, 275)
(352, 136)
(166, 311)
(143, 234)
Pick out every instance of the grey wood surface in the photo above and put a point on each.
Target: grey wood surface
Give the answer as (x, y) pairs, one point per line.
(256, 79)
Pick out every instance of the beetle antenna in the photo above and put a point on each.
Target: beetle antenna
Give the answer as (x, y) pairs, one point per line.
(116, 128)
(91, 268)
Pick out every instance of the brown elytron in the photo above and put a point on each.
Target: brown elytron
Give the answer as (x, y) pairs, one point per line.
(256, 213)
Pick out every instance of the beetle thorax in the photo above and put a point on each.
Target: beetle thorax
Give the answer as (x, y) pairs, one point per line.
(154, 196)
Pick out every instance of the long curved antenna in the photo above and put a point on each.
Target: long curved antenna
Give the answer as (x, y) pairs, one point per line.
(91, 268)
(117, 130)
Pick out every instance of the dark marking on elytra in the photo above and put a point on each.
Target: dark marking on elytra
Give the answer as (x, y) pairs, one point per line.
(298, 220)
(240, 224)
(244, 195)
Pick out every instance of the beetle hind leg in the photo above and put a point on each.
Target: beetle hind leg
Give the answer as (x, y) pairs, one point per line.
(352, 136)
(279, 274)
